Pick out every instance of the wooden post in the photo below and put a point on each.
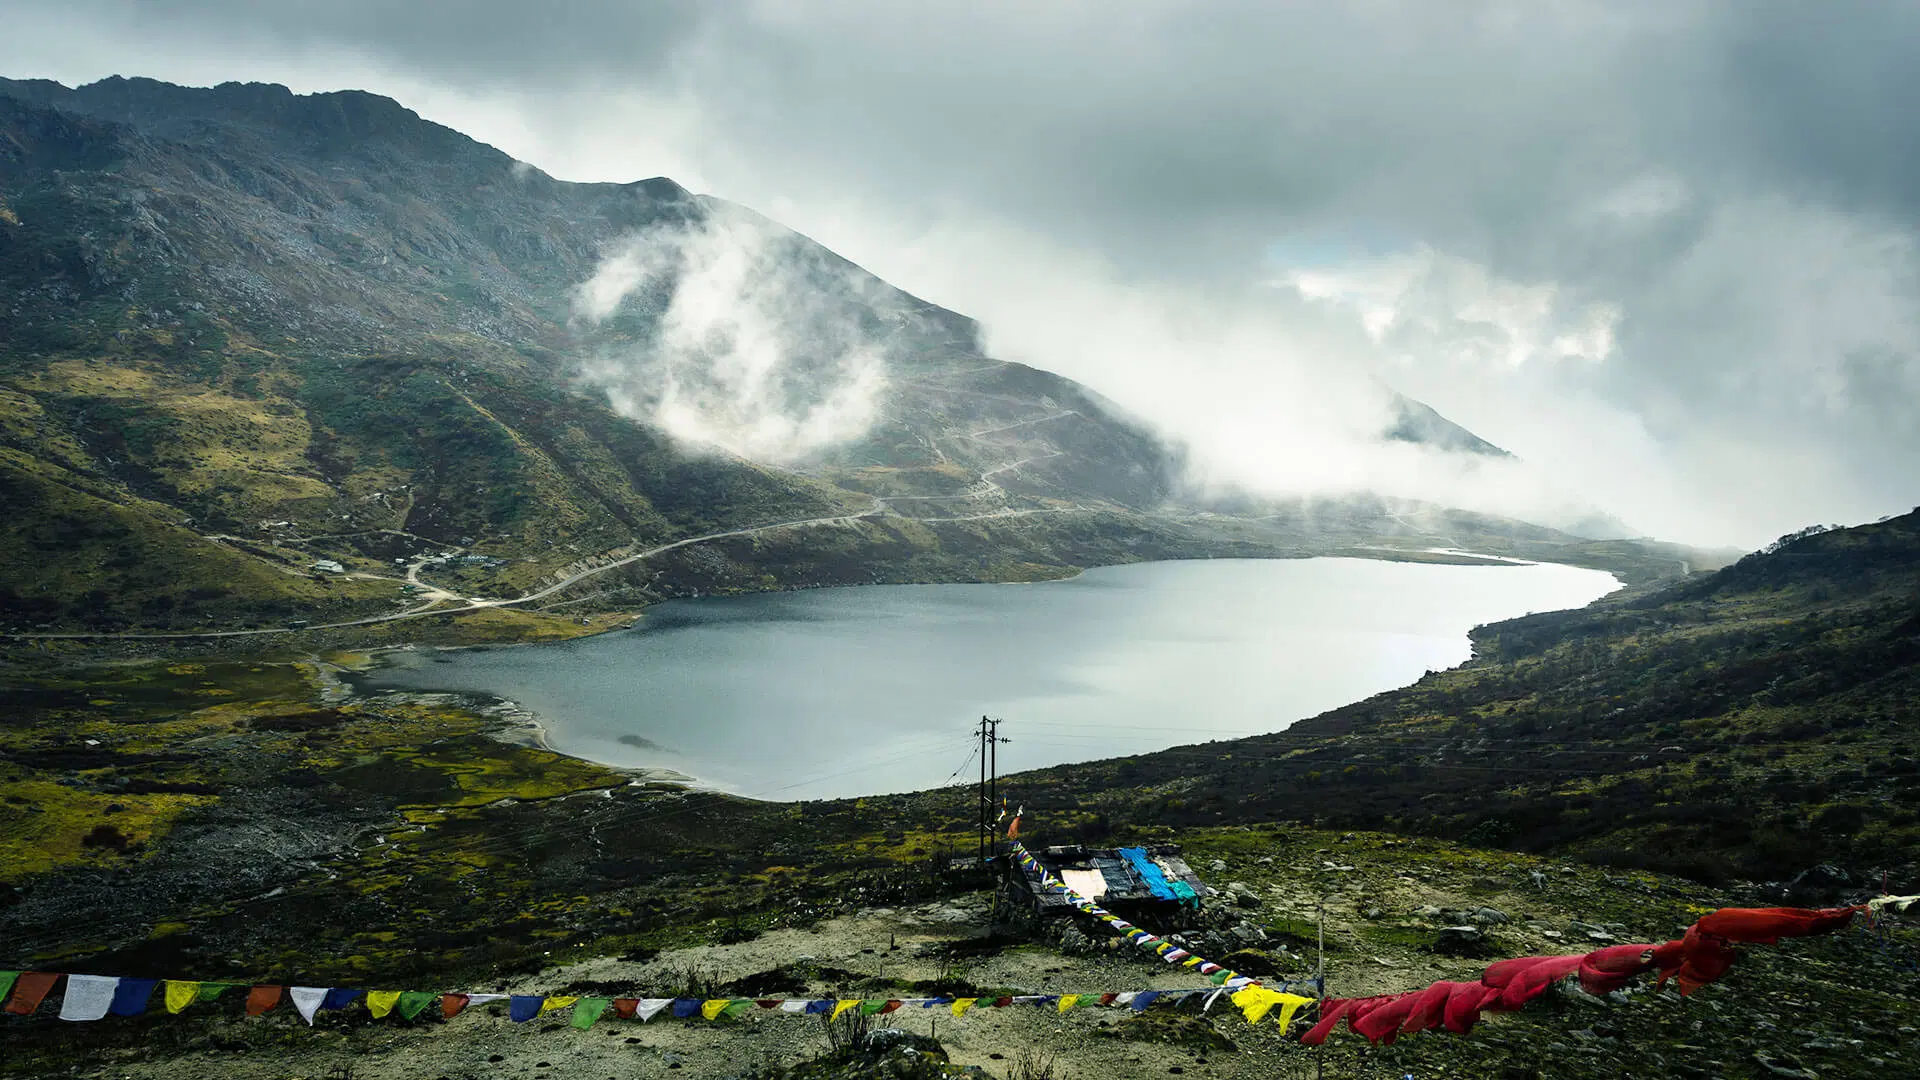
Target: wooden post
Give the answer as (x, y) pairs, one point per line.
(1320, 972)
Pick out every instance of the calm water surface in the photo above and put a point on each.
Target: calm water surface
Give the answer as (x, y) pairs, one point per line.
(836, 692)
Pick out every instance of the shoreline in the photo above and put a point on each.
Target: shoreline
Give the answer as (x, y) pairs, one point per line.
(520, 725)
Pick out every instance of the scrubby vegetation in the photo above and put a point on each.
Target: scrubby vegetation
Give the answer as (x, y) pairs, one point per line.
(1743, 724)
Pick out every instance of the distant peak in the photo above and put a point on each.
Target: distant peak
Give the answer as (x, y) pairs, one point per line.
(661, 188)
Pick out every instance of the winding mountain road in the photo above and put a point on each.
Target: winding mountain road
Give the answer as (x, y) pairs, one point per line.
(432, 607)
(437, 596)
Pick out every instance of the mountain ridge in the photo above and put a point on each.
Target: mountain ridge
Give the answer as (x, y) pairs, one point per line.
(281, 320)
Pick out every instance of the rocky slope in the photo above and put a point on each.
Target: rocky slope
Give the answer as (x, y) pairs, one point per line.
(254, 820)
(1744, 724)
(242, 330)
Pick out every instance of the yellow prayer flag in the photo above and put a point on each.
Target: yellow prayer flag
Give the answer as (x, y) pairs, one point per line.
(181, 994)
(381, 1002)
(1290, 1004)
(553, 1003)
(1257, 1001)
(961, 1005)
(843, 1005)
(1192, 961)
(1068, 1001)
(711, 1009)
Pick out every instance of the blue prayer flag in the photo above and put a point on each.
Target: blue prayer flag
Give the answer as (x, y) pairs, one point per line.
(130, 997)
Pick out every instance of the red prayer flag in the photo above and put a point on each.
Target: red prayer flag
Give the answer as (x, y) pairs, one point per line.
(1382, 1023)
(451, 1004)
(624, 1008)
(1430, 1006)
(29, 990)
(1464, 1006)
(1603, 971)
(1766, 926)
(262, 998)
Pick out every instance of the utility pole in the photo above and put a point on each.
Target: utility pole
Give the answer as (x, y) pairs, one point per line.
(985, 804)
(993, 762)
(990, 741)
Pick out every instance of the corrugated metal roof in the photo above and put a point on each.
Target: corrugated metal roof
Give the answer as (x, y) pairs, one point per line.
(1123, 883)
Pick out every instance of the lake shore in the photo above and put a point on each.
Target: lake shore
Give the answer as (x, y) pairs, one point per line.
(866, 681)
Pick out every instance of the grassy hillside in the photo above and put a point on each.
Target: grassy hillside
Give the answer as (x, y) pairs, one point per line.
(1747, 723)
(304, 327)
(247, 821)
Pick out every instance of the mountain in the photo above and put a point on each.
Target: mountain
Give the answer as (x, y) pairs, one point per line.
(1415, 422)
(243, 331)
(1744, 724)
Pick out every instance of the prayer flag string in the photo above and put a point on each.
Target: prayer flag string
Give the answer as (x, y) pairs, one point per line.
(1699, 958)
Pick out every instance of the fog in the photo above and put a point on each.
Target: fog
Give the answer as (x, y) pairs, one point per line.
(749, 354)
(1665, 254)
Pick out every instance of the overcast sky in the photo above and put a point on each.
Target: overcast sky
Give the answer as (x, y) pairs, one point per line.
(1665, 251)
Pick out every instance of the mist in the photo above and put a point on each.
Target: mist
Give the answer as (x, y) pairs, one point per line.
(1665, 254)
(731, 343)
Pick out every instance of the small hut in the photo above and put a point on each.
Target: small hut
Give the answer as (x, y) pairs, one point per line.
(1151, 886)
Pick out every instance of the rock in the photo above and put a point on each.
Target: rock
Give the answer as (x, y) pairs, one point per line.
(1252, 962)
(1247, 934)
(1783, 1066)
(1218, 866)
(1487, 916)
(1460, 941)
(1429, 911)
(1817, 883)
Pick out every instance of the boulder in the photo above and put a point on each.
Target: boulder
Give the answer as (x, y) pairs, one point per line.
(1461, 941)
(1247, 934)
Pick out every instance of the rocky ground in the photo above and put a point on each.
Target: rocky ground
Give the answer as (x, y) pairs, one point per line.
(1395, 913)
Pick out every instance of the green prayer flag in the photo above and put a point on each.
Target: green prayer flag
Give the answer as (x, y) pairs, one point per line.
(587, 1010)
(412, 1002)
(737, 1007)
(210, 991)
(6, 982)
(872, 1006)
(1218, 977)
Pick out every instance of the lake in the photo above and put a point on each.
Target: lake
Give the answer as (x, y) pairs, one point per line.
(836, 692)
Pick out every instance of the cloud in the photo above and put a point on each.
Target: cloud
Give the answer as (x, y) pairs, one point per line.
(1665, 252)
(733, 342)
